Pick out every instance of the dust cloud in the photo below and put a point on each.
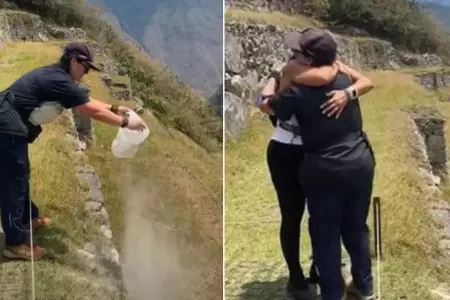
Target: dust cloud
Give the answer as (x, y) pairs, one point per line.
(152, 261)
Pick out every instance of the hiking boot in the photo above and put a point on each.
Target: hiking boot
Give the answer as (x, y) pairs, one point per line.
(352, 289)
(38, 223)
(300, 293)
(24, 252)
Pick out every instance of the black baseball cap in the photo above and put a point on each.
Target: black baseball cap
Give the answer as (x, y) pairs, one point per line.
(82, 53)
(312, 46)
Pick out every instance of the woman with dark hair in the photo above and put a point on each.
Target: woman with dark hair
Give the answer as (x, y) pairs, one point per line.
(335, 162)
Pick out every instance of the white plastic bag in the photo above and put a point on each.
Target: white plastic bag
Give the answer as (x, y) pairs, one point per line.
(127, 141)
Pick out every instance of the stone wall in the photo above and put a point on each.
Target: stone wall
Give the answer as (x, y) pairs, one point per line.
(23, 26)
(98, 256)
(4, 30)
(286, 6)
(252, 51)
(434, 80)
(257, 48)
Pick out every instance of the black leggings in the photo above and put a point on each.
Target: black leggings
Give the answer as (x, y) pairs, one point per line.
(284, 161)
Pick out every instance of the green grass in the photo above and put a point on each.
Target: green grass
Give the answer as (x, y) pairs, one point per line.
(270, 18)
(122, 79)
(409, 234)
(184, 176)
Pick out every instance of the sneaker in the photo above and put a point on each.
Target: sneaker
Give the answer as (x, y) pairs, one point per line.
(300, 293)
(24, 252)
(313, 286)
(352, 289)
(38, 223)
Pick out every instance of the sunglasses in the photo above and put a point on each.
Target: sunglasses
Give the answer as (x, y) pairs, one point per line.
(87, 68)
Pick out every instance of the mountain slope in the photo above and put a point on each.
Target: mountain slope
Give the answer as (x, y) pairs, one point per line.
(185, 35)
(441, 12)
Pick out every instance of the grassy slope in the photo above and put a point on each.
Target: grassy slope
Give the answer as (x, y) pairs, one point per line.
(270, 18)
(187, 176)
(409, 242)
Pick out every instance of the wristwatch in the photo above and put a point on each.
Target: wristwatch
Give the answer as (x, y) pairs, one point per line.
(124, 122)
(351, 93)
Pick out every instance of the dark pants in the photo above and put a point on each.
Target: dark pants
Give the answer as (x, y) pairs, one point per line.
(335, 214)
(284, 161)
(15, 189)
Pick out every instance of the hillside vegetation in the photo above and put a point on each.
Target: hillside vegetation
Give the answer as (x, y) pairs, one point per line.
(412, 264)
(158, 87)
(404, 23)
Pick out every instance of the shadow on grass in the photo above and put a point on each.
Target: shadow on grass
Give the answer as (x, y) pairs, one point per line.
(270, 290)
(256, 290)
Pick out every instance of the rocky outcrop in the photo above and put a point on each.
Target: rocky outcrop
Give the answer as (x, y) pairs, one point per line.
(252, 51)
(23, 26)
(4, 30)
(84, 126)
(119, 87)
(286, 6)
(431, 128)
(235, 114)
(434, 80)
(216, 101)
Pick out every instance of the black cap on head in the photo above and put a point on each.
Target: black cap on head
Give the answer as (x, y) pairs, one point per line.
(312, 46)
(82, 53)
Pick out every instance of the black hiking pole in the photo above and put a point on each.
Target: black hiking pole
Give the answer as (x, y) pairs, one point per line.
(377, 226)
(377, 238)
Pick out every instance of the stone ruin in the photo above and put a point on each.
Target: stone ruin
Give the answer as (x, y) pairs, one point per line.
(431, 127)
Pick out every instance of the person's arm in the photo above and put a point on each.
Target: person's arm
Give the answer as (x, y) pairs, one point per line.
(339, 99)
(117, 109)
(362, 84)
(100, 111)
(307, 75)
(268, 91)
(70, 95)
(281, 105)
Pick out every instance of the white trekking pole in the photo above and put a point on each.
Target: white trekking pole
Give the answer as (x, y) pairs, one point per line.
(377, 238)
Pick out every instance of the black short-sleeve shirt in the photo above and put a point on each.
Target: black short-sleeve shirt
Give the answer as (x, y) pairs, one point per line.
(45, 84)
(336, 150)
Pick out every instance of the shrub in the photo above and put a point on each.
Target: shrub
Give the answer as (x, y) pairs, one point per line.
(405, 23)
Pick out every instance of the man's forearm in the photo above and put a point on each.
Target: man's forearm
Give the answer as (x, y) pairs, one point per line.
(100, 111)
(100, 103)
(108, 117)
(363, 86)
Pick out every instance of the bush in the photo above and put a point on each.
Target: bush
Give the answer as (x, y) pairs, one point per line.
(403, 22)
(172, 101)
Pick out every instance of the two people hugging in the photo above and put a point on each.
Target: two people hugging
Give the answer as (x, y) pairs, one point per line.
(319, 157)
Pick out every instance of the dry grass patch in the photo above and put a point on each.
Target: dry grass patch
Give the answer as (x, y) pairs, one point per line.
(270, 18)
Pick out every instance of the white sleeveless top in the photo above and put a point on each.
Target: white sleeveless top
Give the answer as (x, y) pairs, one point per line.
(286, 137)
